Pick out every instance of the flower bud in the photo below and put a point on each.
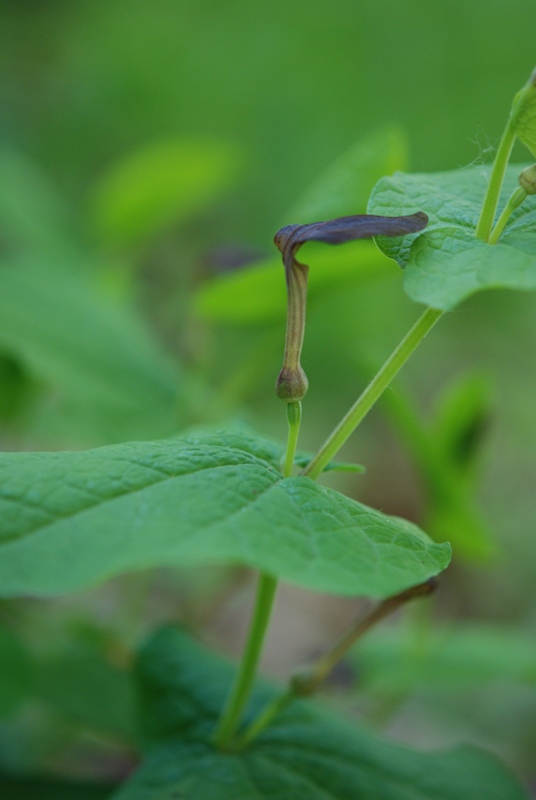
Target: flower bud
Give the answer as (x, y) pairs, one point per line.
(527, 179)
(291, 384)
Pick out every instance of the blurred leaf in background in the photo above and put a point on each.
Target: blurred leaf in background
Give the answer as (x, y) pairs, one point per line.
(159, 185)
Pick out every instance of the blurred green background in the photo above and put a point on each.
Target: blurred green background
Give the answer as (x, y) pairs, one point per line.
(148, 153)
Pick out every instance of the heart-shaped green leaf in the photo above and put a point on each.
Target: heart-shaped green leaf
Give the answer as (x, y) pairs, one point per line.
(447, 263)
(68, 520)
(306, 755)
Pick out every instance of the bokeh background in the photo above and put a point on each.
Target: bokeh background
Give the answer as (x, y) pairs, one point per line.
(148, 153)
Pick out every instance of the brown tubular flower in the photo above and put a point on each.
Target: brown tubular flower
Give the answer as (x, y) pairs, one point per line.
(292, 383)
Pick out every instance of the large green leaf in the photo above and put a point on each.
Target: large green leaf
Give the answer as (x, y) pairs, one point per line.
(306, 755)
(446, 263)
(75, 339)
(68, 520)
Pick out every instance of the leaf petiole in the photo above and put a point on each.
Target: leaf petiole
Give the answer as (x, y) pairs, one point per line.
(491, 199)
(266, 591)
(306, 684)
(514, 201)
(294, 420)
(372, 393)
(241, 689)
(521, 105)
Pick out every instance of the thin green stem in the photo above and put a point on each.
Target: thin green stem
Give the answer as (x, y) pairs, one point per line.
(372, 393)
(491, 200)
(306, 684)
(514, 201)
(265, 718)
(294, 420)
(241, 690)
(232, 713)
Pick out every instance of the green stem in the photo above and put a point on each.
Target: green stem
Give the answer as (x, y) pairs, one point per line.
(241, 690)
(491, 200)
(306, 684)
(231, 716)
(294, 420)
(514, 201)
(265, 718)
(372, 393)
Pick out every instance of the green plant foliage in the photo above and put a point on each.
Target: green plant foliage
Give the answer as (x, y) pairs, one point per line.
(460, 423)
(445, 658)
(32, 214)
(446, 263)
(93, 351)
(461, 419)
(261, 287)
(163, 183)
(345, 187)
(97, 695)
(447, 451)
(68, 520)
(334, 466)
(523, 115)
(306, 754)
(16, 673)
(16, 388)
